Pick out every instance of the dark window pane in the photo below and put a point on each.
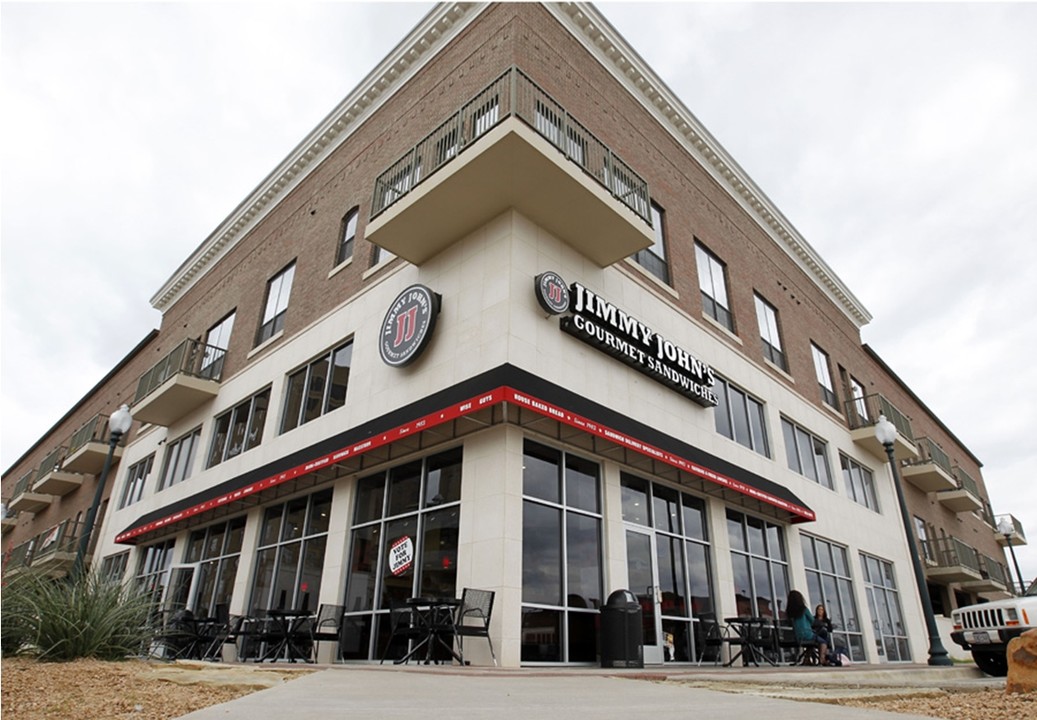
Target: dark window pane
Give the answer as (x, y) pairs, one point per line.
(320, 512)
(294, 519)
(791, 454)
(699, 578)
(541, 554)
(293, 400)
(271, 525)
(540, 472)
(583, 637)
(670, 561)
(369, 494)
(404, 488)
(318, 380)
(666, 511)
(398, 585)
(439, 553)
(583, 561)
(443, 484)
(581, 483)
(541, 635)
(694, 517)
(341, 362)
(722, 411)
(635, 499)
(363, 568)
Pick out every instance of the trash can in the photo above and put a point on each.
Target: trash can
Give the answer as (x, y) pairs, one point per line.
(622, 634)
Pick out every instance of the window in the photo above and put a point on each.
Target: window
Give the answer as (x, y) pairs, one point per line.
(135, 479)
(823, 369)
(739, 417)
(277, 292)
(807, 454)
(880, 587)
(767, 317)
(152, 569)
(922, 535)
(415, 508)
(860, 407)
(290, 554)
(859, 484)
(240, 429)
(381, 255)
(829, 582)
(562, 569)
(216, 342)
(318, 388)
(713, 287)
(113, 567)
(760, 564)
(653, 259)
(345, 245)
(217, 550)
(179, 458)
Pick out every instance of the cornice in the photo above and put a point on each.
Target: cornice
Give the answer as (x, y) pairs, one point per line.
(599, 37)
(434, 31)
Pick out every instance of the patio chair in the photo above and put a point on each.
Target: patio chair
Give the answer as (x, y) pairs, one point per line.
(326, 626)
(714, 635)
(804, 652)
(476, 605)
(404, 625)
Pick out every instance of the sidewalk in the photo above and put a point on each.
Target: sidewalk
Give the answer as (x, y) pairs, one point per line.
(407, 693)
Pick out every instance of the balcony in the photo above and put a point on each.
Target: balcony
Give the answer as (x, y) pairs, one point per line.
(25, 499)
(992, 576)
(861, 416)
(7, 519)
(1015, 534)
(965, 497)
(52, 552)
(52, 478)
(511, 146)
(88, 448)
(931, 471)
(949, 560)
(182, 381)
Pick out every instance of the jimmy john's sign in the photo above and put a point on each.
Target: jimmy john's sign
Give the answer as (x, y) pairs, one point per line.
(599, 323)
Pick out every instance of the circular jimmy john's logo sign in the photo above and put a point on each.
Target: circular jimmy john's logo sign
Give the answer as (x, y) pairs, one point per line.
(552, 293)
(408, 325)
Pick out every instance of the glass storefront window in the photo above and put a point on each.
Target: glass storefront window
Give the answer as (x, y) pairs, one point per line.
(403, 544)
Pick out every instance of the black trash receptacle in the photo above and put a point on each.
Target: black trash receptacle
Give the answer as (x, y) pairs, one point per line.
(622, 634)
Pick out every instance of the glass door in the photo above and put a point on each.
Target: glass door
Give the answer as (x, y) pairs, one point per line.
(642, 580)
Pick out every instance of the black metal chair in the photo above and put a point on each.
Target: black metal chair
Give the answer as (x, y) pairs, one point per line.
(477, 606)
(404, 625)
(326, 626)
(803, 652)
(713, 637)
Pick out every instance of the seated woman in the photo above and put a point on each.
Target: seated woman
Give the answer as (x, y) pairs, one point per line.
(803, 623)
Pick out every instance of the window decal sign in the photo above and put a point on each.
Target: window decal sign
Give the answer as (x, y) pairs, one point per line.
(408, 325)
(401, 555)
(599, 323)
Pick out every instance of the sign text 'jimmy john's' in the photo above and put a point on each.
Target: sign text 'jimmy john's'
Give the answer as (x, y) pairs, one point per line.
(603, 325)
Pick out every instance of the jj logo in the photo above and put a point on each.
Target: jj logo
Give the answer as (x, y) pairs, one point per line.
(407, 327)
(552, 293)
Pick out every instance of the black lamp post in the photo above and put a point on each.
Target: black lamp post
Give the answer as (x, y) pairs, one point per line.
(886, 433)
(118, 424)
(1005, 527)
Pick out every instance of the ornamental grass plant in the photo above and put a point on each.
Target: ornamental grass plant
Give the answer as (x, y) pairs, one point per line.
(60, 619)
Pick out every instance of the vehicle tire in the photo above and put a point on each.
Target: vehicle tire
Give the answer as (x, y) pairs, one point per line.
(992, 663)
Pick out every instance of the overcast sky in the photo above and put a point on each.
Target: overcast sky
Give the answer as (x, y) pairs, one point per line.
(898, 139)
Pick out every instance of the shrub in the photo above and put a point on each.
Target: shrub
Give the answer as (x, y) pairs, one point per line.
(69, 618)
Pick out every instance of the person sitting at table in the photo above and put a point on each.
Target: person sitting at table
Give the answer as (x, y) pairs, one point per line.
(823, 624)
(803, 623)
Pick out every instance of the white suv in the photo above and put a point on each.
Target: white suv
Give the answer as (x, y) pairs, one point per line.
(985, 629)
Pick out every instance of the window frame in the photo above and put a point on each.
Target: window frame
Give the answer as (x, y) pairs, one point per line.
(756, 416)
(133, 490)
(217, 340)
(273, 317)
(307, 377)
(823, 371)
(653, 259)
(770, 332)
(794, 453)
(347, 235)
(251, 439)
(711, 268)
(860, 488)
(166, 480)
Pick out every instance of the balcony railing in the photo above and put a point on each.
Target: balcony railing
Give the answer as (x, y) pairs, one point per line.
(512, 94)
(993, 570)
(191, 357)
(965, 481)
(51, 463)
(23, 483)
(864, 412)
(94, 430)
(1015, 535)
(951, 560)
(930, 452)
(52, 550)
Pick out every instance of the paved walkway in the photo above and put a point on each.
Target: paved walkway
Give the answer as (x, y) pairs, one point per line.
(408, 693)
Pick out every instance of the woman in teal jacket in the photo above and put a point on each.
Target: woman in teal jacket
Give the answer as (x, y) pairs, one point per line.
(803, 623)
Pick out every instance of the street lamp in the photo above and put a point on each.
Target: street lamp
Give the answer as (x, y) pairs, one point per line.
(118, 424)
(886, 433)
(1005, 527)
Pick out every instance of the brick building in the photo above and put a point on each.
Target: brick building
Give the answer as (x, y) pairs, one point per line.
(511, 318)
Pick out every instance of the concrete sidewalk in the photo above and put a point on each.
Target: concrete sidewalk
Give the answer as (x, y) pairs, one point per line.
(407, 693)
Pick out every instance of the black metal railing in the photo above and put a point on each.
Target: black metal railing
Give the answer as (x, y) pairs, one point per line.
(512, 94)
(865, 411)
(23, 483)
(930, 452)
(191, 357)
(50, 463)
(965, 482)
(950, 552)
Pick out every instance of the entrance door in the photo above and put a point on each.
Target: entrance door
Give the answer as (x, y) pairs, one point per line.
(642, 574)
(181, 588)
